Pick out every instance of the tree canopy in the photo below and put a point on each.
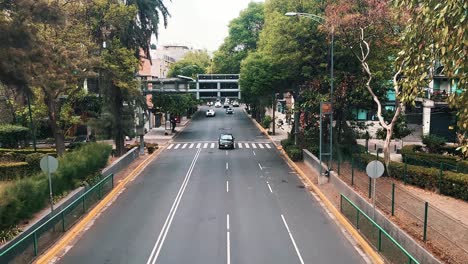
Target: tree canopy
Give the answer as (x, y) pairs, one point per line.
(193, 63)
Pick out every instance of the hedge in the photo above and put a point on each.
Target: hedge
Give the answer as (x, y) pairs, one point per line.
(10, 135)
(28, 150)
(433, 160)
(451, 184)
(13, 170)
(294, 152)
(24, 197)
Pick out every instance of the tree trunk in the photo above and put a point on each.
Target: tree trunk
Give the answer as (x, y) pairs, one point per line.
(52, 110)
(119, 137)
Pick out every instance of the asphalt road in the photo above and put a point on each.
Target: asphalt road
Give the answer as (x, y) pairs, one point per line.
(210, 206)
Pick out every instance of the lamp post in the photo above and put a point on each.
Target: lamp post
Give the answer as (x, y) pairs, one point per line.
(321, 21)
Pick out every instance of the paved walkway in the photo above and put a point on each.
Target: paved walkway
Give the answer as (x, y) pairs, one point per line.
(161, 135)
(281, 131)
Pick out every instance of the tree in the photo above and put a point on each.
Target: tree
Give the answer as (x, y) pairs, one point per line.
(368, 25)
(436, 32)
(193, 63)
(244, 32)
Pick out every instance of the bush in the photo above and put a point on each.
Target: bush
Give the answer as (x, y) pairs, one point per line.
(151, 147)
(23, 198)
(10, 135)
(13, 170)
(295, 153)
(266, 122)
(434, 143)
(410, 154)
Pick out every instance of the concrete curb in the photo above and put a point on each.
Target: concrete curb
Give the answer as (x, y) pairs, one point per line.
(361, 242)
(78, 228)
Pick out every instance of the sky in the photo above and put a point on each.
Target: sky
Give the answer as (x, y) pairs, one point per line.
(200, 24)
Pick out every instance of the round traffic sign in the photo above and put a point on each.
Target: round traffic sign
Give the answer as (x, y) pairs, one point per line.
(375, 169)
(49, 164)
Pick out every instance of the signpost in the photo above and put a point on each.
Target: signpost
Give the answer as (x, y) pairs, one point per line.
(49, 165)
(374, 170)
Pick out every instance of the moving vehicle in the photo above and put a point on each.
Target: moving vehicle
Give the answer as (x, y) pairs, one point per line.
(218, 104)
(209, 104)
(226, 105)
(229, 111)
(235, 104)
(226, 141)
(210, 113)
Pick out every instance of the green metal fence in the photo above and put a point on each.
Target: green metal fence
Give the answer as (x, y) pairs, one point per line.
(388, 247)
(37, 242)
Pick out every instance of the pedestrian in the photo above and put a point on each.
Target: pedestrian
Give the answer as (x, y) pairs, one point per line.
(173, 123)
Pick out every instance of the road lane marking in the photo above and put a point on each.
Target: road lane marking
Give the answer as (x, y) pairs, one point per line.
(254, 146)
(170, 146)
(177, 146)
(167, 224)
(227, 222)
(293, 241)
(227, 186)
(226, 152)
(239, 145)
(247, 145)
(198, 145)
(205, 145)
(260, 166)
(212, 145)
(191, 145)
(260, 145)
(227, 166)
(268, 146)
(254, 153)
(228, 241)
(184, 146)
(269, 187)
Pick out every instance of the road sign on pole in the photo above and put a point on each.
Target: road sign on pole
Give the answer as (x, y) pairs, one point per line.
(374, 170)
(49, 165)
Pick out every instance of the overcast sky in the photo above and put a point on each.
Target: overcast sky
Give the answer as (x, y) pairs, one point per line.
(201, 24)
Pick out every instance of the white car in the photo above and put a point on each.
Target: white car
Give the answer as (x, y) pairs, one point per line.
(218, 104)
(210, 113)
(235, 104)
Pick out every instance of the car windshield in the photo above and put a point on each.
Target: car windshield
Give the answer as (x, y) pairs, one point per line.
(226, 137)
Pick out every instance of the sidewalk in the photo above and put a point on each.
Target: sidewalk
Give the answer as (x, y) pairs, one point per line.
(281, 132)
(161, 135)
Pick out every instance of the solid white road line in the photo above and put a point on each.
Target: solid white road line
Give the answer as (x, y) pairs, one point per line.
(212, 145)
(228, 241)
(254, 153)
(177, 146)
(260, 166)
(293, 241)
(191, 145)
(239, 145)
(268, 146)
(184, 146)
(227, 186)
(227, 222)
(260, 145)
(198, 145)
(269, 187)
(205, 145)
(170, 146)
(247, 145)
(254, 146)
(167, 224)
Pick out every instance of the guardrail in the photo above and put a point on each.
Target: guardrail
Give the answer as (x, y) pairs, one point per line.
(388, 247)
(38, 241)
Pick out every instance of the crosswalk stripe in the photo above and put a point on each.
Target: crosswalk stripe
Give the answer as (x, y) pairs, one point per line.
(247, 145)
(254, 146)
(170, 146)
(205, 145)
(260, 145)
(268, 146)
(184, 146)
(239, 145)
(212, 145)
(191, 145)
(177, 146)
(198, 145)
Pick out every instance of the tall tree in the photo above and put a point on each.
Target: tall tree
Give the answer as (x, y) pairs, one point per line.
(436, 33)
(244, 33)
(193, 63)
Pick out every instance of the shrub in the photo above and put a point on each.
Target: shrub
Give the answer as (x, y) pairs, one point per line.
(433, 143)
(294, 152)
(286, 143)
(10, 135)
(13, 170)
(34, 160)
(452, 163)
(151, 147)
(266, 122)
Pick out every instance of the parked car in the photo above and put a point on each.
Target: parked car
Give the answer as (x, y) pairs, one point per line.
(229, 111)
(218, 104)
(226, 141)
(210, 113)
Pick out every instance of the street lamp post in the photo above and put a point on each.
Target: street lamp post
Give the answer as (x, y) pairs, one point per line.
(321, 20)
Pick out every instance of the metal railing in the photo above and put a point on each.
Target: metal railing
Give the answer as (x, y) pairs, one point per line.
(385, 244)
(443, 233)
(38, 241)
